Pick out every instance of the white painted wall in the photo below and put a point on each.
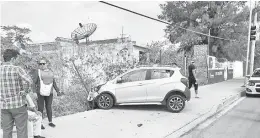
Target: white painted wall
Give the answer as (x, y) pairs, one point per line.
(237, 69)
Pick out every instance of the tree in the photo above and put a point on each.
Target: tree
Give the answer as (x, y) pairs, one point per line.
(224, 19)
(167, 51)
(14, 34)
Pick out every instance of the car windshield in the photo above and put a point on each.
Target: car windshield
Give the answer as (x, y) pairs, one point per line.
(256, 73)
(115, 74)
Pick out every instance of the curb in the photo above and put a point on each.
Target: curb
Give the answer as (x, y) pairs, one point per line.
(205, 116)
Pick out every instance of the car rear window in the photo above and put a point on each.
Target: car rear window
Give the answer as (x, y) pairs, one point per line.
(161, 73)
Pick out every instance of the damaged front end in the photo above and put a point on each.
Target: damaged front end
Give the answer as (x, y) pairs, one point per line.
(94, 92)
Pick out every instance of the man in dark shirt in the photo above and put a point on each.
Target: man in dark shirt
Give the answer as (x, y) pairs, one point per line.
(192, 78)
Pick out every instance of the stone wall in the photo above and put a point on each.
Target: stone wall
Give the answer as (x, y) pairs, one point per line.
(92, 57)
(216, 72)
(200, 58)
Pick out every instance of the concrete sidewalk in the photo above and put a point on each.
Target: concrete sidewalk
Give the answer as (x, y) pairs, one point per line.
(156, 121)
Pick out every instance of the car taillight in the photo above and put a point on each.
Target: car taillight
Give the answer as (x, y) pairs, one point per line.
(184, 81)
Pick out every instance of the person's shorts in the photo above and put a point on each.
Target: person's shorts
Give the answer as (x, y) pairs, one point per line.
(193, 82)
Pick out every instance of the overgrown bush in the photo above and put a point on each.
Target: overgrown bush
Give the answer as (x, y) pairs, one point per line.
(73, 102)
(114, 70)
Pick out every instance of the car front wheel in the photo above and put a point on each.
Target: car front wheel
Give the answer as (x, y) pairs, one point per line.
(105, 101)
(175, 103)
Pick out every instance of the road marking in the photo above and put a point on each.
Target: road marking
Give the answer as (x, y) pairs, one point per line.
(223, 112)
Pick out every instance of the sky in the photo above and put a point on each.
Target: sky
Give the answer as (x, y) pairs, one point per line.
(49, 20)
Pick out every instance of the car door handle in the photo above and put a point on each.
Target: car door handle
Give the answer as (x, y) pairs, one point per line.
(140, 84)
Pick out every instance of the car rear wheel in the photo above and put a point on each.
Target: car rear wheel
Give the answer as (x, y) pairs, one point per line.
(175, 103)
(105, 101)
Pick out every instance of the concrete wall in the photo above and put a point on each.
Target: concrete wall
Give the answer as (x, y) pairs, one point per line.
(209, 70)
(238, 69)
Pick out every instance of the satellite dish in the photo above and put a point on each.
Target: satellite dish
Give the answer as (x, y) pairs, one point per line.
(83, 32)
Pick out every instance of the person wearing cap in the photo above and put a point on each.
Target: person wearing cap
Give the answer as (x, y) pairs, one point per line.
(44, 84)
(192, 78)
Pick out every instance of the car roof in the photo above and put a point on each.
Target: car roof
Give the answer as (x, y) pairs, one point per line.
(161, 67)
(152, 67)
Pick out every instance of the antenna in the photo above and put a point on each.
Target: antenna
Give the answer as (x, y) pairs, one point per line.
(122, 35)
(84, 31)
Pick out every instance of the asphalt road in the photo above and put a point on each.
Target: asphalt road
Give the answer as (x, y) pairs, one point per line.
(243, 121)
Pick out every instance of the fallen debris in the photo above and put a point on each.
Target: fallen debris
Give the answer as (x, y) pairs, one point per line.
(139, 125)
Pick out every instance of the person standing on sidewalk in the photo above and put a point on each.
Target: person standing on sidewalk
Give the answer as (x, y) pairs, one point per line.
(14, 86)
(192, 77)
(44, 84)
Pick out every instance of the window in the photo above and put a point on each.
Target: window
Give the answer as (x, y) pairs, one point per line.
(161, 73)
(138, 75)
(142, 56)
(256, 73)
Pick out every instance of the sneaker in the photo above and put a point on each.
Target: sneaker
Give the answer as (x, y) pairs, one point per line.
(43, 127)
(52, 125)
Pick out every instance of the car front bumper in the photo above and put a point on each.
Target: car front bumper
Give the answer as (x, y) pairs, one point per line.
(252, 90)
(92, 95)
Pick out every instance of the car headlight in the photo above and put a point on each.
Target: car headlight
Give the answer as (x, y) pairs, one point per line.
(251, 84)
(97, 88)
(248, 90)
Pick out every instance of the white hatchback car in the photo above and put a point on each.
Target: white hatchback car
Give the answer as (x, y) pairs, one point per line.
(253, 86)
(144, 85)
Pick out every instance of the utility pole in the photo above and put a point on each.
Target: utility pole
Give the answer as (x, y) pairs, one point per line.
(185, 63)
(249, 34)
(207, 57)
(160, 56)
(122, 35)
(253, 46)
(40, 47)
(82, 81)
(208, 54)
(208, 41)
(248, 44)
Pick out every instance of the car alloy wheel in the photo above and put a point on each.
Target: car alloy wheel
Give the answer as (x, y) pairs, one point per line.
(175, 103)
(105, 101)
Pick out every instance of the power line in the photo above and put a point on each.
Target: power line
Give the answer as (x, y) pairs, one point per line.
(163, 21)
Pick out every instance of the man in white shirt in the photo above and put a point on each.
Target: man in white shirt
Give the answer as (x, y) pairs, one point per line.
(34, 119)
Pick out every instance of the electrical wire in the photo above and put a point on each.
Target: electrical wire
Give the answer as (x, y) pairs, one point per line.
(163, 21)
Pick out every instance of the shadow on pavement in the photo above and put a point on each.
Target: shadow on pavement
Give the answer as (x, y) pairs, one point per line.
(253, 96)
(141, 107)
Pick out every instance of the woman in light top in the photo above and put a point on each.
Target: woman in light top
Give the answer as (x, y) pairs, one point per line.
(44, 84)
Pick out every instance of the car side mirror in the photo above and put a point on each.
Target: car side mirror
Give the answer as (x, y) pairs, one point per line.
(248, 76)
(119, 80)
